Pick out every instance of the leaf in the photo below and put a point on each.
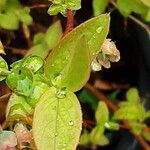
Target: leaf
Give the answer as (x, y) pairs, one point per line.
(2, 5)
(132, 95)
(130, 112)
(57, 121)
(5, 20)
(24, 15)
(3, 69)
(102, 113)
(99, 6)
(7, 140)
(39, 88)
(69, 65)
(97, 136)
(85, 138)
(20, 80)
(53, 34)
(33, 63)
(112, 125)
(17, 107)
(126, 7)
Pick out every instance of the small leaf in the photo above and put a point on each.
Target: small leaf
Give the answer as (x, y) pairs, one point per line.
(130, 112)
(39, 38)
(99, 6)
(33, 63)
(7, 140)
(85, 138)
(24, 15)
(5, 20)
(102, 113)
(53, 34)
(57, 121)
(20, 80)
(17, 107)
(97, 136)
(69, 65)
(132, 95)
(3, 69)
(2, 4)
(39, 88)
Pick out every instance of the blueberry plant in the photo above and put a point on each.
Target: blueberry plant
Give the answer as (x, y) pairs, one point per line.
(43, 111)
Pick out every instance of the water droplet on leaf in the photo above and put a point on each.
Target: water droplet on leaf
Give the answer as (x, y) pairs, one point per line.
(71, 123)
(61, 93)
(99, 29)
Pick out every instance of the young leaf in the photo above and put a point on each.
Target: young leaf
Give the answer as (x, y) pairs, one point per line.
(20, 80)
(130, 112)
(97, 136)
(102, 113)
(24, 15)
(17, 107)
(57, 121)
(85, 138)
(53, 34)
(112, 125)
(69, 65)
(8, 17)
(3, 69)
(99, 6)
(132, 95)
(146, 135)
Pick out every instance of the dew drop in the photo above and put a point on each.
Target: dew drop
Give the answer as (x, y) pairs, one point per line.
(61, 93)
(99, 29)
(71, 123)
(96, 66)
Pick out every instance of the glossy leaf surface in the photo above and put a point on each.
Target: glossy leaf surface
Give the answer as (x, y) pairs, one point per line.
(57, 121)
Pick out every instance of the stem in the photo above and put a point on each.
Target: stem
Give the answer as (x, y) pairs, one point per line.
(39, 6)
(70, 22)
(113, 108)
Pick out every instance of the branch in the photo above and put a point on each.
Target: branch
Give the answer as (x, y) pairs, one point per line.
(70, 22)
(113, 108)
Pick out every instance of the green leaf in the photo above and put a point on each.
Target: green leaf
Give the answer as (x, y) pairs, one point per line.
(128, 111)
(3, 69)
(99, 6)
(33, 63)
(17, 107)
(9, 21)
(57, 121)
(12, 4)
(20, 80)
(102, 113)
(97, 136)
(53, 34)
(38, 38)
(69, 65)
(39, 88)
(85, 138)
(24, 15)
(132, 95)
(127, 6)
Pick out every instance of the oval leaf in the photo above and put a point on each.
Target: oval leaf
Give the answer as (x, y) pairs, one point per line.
(57, 121)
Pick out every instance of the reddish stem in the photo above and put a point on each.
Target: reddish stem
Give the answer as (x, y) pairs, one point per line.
(70, 22)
